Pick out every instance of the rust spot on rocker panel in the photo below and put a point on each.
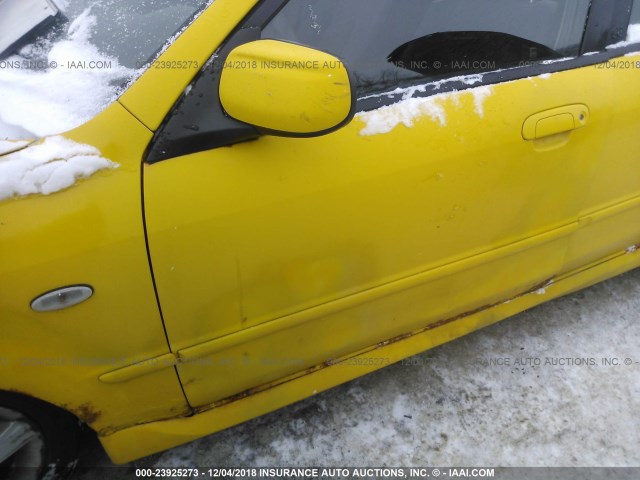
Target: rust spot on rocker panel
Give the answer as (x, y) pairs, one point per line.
(331, 362)
(445, 321)
(261, 388)
(174, 412)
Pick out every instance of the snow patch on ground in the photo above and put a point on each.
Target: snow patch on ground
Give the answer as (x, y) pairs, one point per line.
(633, 36)
(408, 110)
(47, 167)
(61, 96)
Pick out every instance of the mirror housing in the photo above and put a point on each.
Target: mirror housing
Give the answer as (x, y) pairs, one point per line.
(286, 89)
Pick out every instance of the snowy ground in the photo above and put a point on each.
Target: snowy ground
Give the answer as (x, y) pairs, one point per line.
(455, 405)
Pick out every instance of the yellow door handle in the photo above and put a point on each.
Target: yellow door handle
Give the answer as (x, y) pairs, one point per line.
(554, 121)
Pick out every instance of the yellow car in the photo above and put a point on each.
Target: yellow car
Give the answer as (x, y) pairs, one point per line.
(288, 194)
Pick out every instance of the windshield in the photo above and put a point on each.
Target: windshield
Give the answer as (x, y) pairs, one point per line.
(68, 68)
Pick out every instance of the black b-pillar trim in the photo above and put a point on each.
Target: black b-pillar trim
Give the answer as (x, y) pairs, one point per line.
(607, 24)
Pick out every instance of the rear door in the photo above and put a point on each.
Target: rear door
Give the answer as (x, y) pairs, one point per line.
(456, 187)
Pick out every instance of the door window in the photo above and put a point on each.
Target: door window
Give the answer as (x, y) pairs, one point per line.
(633, 34)
(386, 41)
(635, 13)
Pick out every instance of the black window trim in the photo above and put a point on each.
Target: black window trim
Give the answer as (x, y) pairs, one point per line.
(605, 26)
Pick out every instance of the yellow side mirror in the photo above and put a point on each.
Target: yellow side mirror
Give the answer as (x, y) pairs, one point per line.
(286, 89)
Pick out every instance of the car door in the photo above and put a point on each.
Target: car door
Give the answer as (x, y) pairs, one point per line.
(457, 186)
(610, 217)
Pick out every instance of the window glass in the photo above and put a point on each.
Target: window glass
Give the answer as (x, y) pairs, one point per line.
(635, 13)
(64, 71)
(132, 32)
(387, 41)
(633, 34)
